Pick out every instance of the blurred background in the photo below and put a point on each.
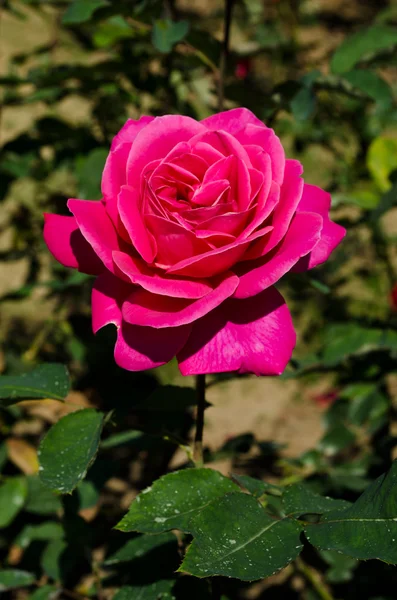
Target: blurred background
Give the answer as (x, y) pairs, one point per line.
(323, 74)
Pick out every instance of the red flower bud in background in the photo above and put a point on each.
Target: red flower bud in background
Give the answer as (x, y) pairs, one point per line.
(326, 399)
(243, 68)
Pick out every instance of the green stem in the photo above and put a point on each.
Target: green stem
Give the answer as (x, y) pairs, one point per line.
(224, 53)
(314, 578)
(198, 438)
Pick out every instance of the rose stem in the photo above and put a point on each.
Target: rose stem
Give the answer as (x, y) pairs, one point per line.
(198, 438)
(224, 53)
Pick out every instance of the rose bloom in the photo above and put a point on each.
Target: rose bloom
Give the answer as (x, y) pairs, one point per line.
(197, 223)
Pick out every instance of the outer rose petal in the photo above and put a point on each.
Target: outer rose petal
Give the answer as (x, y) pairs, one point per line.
(249, 336)
(139, 348)
(232, 120)
(316, 200)
(300, 238)
(144, 308)
(68, 246)
(131, 217)
(96, 227)
(108, 295)
(130, 130)
(165, 285)
(290, 196)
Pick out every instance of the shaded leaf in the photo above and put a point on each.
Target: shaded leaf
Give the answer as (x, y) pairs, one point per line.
(88, 171)
(256, 487)
(372, 85)
(46, 381)
(362, 45)
(234, 537)
(13, 494)
(166, 33)
(298, 500)
(140, 545)
(11, 579)
(173, 500)
(69, 448)
(44, 531)
(340, 566)
(368, 529)
(80, 11)
(45, 592)
(160, 590)
(41, 500)
(303, 104)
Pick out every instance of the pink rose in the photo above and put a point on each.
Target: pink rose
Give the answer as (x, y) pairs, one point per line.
(197, 223)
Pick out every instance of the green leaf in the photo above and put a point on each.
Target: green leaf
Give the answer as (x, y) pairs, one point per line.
(234, 537)
(44, 531)
(80, 11)
(160, 590)
(46, 381)
(41, 500)
(46, 592)
(54, 559)
(12, 498)
(121, 438)
(111, 31)
(303, 104)
(298, 500)
(69, 449)
(336, 439)
(340, 566)
(173, 500)
(382, 161)
(256, 487)
(366, 530)
(166, 33)
(372, 85)
(88, 171)
(344, 340)
(362, 45)
(11, 579)
(138, 546)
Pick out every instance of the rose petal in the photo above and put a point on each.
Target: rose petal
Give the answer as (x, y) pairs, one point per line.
(316, 200)
(290, 196)
(225, 143)
(301, 237)
(96, 227)
(139, 348)
(157, 283)
(130, 130)
(174, 242)
(232, 120)
(218, 260)
(108, 295)
(68, 246)
(157, 139)
(130, 214)
(268, 140)
(249, 336)
(146, 309)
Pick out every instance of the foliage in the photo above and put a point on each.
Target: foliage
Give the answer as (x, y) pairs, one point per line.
(99, 494)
